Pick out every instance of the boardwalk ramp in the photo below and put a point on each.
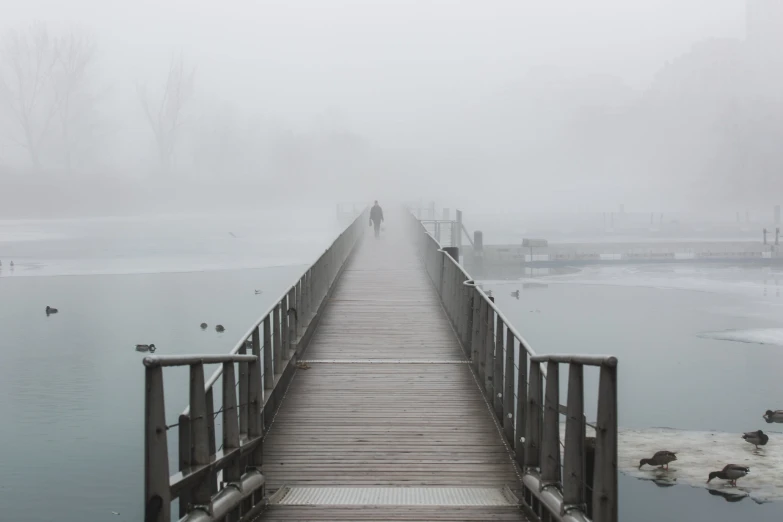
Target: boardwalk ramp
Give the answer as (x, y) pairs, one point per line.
(384, 419)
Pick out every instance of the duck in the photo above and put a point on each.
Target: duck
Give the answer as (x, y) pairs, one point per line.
(203, 326)
(219, 328)
(515, 293)
(660, 459)
(145, 348)
(730, 472)
(259, 292)
(757, 438)
(50, 310)
(773, 416)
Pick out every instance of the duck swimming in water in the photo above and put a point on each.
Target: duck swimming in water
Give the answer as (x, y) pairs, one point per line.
(515, 293)
(730, 472)
(660, 459)
(50, 310)
(219, 328)
(773, 416)
(757, 438)
(203, 326)
(145, 348)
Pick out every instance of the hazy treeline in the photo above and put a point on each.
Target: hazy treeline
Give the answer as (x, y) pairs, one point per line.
(705, 131)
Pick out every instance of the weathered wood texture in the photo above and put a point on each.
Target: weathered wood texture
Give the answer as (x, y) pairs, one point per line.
(389, 422)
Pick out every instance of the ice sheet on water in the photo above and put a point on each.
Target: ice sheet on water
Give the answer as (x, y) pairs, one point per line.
(755, 336)
(699, 453)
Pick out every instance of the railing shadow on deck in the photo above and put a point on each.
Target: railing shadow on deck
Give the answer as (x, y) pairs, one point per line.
(529, 417)
(275, 340)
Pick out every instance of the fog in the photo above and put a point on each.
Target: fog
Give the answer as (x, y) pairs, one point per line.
(659, 105)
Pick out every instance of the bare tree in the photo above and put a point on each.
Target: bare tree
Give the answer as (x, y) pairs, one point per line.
(27, 62)
(74, 54)
(44, 81)
(167, 119)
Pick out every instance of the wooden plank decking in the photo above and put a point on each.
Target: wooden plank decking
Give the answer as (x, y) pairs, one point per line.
(388, 400)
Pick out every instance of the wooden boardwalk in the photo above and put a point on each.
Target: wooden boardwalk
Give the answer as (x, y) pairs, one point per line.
(389, 403)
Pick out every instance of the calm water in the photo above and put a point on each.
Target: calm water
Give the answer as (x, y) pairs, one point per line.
(72, 384)
(652, 319)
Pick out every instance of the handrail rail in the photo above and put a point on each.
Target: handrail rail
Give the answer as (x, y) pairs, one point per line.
(524, 392)
(260, 383)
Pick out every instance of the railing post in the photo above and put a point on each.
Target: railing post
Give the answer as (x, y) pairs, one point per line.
(467, 317)
(474, 325)
(300, 311)
(255, 422)
(482, 341)
(199, 432)
(233, 472)
(533, 431)
(489, 355)
(550, 444)
(277, 339)
(498, 379)
(185, 450)
(285, 341)
(212, 477)
(508, 390)
(574, 466)
(269, 371)
(522, 405)
(605, 481)
(243, 392)
(293, 316)
(157, 495)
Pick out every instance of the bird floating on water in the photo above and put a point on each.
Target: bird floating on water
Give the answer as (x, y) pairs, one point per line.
(757, 438)
(203, 326)
(145, 348)
(773, 416)
(259, 292)
(220, 328)
(660, 459)
(50, 310)
(730, 472)
(515, 293)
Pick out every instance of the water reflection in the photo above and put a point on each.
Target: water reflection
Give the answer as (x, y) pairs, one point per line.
(729, 496)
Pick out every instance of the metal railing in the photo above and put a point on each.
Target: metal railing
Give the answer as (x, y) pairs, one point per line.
(275, 340)
(514, 388)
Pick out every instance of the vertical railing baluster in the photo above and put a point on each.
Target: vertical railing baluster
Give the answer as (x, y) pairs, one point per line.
(498, 381)
(520, 431)
(535, 400)
(185, 451)
(157, 495)
(233, 472)
(482, 341)
(199, 431)
(605, 477)
(277, 340)
(292, 320)
(550, 444)
(476, 329)
(299, 310)
(468, 295)
(489, 355)
(509, 372)
(285, 342)
(255, 421)
(212, 477)
(243, 392)
(574, 458)
(269, 372)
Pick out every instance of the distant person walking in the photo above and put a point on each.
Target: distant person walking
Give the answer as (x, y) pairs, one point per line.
(376, 218)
